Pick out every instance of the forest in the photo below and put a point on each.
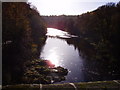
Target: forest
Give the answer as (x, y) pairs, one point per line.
(101, 28)
(24, 34)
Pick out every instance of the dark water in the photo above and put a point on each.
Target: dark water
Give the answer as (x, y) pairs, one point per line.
(73, 53)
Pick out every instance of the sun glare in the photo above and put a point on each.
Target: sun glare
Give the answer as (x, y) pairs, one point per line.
(56, 3)
(53, 57)
(67, 7)
(55, 32)
(50, 7)
(58, 6)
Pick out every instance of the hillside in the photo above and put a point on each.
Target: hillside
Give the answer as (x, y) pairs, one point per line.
(23, 35)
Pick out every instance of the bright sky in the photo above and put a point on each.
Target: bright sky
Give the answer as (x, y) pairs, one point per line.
(67, 7)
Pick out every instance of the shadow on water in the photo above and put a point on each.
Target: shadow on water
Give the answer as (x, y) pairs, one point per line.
(78, 56)
(73, 57)
(17, 69)
(94, 69)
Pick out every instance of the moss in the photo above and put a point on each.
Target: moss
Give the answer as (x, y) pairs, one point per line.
(21, 87)
(58, 86)
(99, 85)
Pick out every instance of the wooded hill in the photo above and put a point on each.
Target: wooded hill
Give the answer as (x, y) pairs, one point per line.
(101, 28)
(23, 35)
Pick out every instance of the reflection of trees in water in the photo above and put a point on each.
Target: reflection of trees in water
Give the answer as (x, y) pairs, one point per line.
(43, 71)
(84, 48)
(94, 68)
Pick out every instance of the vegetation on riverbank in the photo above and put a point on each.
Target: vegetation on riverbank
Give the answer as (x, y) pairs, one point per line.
(44, 72)
(23, 35)
(100, 28)
(98, 41)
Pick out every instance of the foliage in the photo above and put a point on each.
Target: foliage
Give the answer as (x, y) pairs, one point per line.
(23, 35)
(40, 71)
(101, 28)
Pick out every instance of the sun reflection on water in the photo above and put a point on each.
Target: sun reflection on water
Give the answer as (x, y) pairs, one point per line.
(55, 32)
(53, 57)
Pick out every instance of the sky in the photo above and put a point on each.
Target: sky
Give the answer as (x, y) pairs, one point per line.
(67, 7)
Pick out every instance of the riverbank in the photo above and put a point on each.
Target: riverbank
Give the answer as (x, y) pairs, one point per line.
(101, 85)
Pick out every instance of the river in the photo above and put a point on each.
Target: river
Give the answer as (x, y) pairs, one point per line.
(61, 49)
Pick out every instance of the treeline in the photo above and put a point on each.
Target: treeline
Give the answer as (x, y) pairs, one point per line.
(23, 35)
(101, 28)
(59, 22)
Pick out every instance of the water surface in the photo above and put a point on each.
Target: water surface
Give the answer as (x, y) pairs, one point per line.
(69, 51)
